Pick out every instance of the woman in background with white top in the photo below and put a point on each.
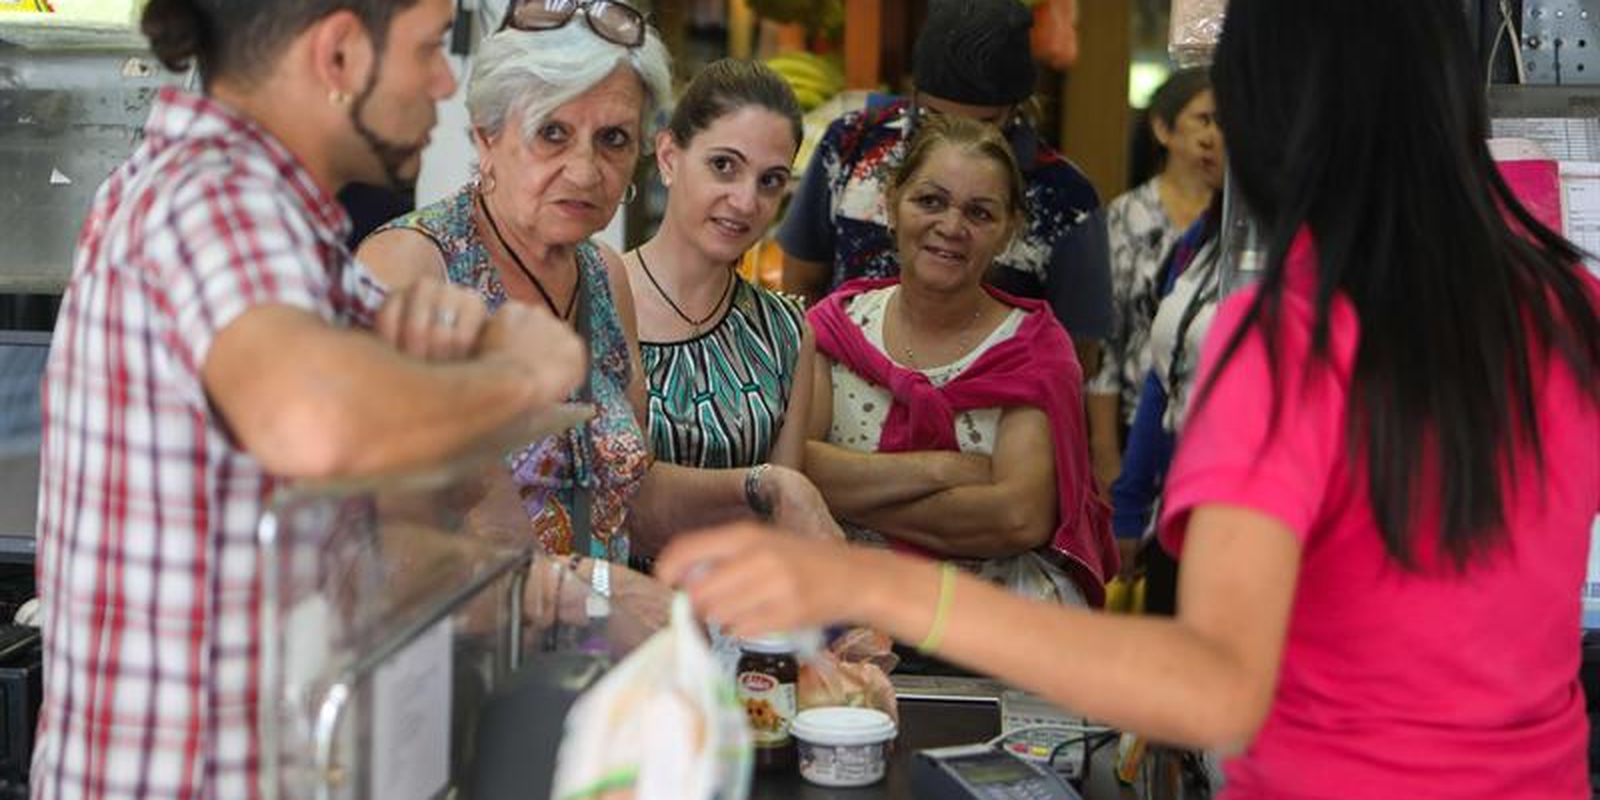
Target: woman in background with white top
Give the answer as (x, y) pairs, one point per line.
(946, 415)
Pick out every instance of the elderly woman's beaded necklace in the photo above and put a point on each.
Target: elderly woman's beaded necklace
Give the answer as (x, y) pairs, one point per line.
(537, 284)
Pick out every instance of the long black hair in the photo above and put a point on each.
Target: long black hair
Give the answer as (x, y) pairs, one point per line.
(1373, 136)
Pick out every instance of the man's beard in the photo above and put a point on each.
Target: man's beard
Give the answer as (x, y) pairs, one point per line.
(391, 155)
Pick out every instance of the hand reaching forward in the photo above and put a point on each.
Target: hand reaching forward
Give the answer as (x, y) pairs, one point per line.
(755, 580)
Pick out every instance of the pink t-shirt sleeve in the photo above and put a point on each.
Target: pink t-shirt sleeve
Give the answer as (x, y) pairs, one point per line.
(1232, 452)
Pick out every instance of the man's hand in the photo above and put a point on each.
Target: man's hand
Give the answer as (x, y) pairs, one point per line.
(753, 580)
(533, 340)
(432, 320)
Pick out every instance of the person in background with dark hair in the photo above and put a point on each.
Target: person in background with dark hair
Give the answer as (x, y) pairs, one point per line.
(1191, 279)
(1142, 225)
(727, 364)
(1385, 486)
(370, 207)
(210, 345)
(972, 58)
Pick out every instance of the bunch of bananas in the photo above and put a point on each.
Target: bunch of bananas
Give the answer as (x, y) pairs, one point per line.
(807, 12)
(819, 16)
(814, 78)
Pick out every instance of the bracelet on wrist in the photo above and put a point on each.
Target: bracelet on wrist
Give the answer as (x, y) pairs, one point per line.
(598, 603)
(941, 611)
(752, 491)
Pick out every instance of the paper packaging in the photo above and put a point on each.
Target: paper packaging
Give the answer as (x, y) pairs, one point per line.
(664, 724)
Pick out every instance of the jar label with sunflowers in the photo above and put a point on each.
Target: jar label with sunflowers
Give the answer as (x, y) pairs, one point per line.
(770, 707)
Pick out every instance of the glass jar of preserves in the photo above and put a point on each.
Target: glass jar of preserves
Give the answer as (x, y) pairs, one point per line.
(767, 678)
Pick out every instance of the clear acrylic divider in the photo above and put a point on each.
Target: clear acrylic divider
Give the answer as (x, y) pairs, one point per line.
(394, 607)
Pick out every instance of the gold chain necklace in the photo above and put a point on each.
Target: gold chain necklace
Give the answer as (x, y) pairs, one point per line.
(964, 341)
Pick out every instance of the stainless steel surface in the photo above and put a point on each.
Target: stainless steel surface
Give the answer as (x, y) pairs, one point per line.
(1560, 40)
(925, 724)
(22, 361)
(954, 689)
(98, 30)
(1544, 101)
(67, 119)
(332, 711)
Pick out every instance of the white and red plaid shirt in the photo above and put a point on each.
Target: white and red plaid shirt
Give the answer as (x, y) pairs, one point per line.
(147, 561)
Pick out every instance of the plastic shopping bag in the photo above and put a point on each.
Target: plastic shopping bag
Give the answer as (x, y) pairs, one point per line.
(663, 724)
(1032, 575)
(853, 671)
(1196, 28)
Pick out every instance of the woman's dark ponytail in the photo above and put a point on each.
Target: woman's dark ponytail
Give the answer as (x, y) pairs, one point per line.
(178, 31)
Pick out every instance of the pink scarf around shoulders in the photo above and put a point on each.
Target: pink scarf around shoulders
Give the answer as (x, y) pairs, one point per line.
(1035, 367)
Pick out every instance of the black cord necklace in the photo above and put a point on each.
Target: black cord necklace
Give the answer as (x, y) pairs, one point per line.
(696, 323)
(548, 300)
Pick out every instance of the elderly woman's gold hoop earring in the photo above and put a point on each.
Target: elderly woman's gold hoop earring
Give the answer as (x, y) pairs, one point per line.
(630, 193)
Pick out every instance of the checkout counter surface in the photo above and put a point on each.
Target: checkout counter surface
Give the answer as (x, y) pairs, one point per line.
(970, 714)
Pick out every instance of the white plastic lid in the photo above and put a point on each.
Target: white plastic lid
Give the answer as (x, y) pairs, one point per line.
(841, 725)
(768, 645)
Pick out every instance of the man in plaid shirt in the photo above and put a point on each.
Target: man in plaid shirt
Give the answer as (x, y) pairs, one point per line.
(214, 341)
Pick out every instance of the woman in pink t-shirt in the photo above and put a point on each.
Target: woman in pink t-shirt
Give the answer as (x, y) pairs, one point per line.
(1384, 492)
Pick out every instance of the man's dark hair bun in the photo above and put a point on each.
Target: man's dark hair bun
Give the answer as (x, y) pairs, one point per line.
(176, 30)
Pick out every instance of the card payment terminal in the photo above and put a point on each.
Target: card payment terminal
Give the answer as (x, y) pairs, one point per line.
(978, 771)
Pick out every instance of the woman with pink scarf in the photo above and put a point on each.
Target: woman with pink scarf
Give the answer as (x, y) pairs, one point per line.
(946, 416)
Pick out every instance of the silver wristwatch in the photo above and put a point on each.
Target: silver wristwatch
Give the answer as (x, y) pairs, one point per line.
(598, 604)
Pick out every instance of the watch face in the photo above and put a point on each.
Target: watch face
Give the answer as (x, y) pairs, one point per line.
(992, 770)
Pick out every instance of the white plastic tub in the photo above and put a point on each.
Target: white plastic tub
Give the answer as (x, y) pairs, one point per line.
(843, 747)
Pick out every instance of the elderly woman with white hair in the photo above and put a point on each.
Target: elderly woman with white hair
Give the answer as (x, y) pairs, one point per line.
(561, 100)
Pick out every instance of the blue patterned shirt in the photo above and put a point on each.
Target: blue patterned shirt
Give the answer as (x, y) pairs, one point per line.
(839, 215)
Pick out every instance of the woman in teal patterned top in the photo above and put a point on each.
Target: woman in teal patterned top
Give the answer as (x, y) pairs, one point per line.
(559, 117)
(727, 364)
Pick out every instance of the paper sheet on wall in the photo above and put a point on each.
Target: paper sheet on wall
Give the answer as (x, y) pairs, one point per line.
(1575, 139)
(1580, 208)
(411, 719)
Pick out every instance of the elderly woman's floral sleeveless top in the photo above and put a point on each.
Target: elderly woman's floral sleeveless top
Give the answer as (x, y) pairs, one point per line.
(599, 464)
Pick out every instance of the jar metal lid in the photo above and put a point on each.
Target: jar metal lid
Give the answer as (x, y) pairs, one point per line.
(768, 645)
(843, 726)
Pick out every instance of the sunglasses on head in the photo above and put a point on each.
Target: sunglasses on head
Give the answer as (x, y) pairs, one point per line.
(1007, 120)
(616, 22)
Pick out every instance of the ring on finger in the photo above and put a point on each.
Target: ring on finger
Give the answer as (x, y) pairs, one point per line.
(445, 317)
